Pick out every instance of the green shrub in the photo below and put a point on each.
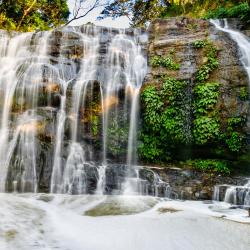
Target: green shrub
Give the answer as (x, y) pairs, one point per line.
(200, 44)
(210, 165)
(241, 11)
(234, 142)
(166, 62)
(151, 149)
(243, 93)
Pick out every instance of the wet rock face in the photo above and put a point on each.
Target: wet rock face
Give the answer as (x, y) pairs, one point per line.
(119, 178)
(176, 35)
(65, 53)
(174, 38)
(190, 184)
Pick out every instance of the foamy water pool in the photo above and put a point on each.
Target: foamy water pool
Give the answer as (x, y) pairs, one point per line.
(39, 221)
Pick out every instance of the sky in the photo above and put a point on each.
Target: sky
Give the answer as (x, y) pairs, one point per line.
(122, 22)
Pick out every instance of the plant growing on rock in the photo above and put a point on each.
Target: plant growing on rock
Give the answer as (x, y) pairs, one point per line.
(243, 93)
(212, 63)
(166, 62)
(210, 165)
(164, 119)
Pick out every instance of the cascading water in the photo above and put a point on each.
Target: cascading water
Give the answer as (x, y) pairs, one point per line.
(70, 101)
(20, 81)
(239, 195)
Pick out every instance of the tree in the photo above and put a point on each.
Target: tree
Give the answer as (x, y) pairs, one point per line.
(30, 15)
(83, 7)
(138, 11)
(142, 11)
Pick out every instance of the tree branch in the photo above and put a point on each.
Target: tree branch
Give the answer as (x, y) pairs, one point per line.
(77, 10)
(25, 13)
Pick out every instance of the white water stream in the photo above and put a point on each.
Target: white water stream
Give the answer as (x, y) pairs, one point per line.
(236, 194)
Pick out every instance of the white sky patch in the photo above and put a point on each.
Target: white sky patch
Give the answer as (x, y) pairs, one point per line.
(122, 22)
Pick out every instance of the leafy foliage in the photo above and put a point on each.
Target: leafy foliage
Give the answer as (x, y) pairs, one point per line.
(117, 137)
(164, 119)
(243, 93)
(200, 44)
(234, 142)
(206, 97)
(140, 12)
(234, 139)
(30, 15)
(210, 165)
(206, 129)
(94, 125)
(241, 11)
(166, 62)
(212, 63)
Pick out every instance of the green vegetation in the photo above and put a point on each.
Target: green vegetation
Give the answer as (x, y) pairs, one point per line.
(95, 125)
(166, 62)
(142, 11)
(200, 44)
(211, 63)
(30, 15)
(164, 119)
(206, 96)
(117, 137)
(167, 109)
(241, 11)
(243, 94)
(206, 123)
(235, 139)
(206, 127)
(210, 165)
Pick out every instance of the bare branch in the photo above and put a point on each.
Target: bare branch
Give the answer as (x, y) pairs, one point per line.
(78, 10)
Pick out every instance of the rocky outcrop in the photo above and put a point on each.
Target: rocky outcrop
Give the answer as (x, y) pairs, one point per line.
(191, 184)
(175, 38)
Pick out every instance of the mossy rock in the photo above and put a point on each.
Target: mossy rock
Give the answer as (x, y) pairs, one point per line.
(122, 206)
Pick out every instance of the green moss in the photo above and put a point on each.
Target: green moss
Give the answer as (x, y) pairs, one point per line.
(10, 234)
(119, 206)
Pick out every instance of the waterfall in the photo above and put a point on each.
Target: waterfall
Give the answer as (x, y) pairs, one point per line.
(69, 112)
(241, 40)
(238, 195)
(20, 81)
